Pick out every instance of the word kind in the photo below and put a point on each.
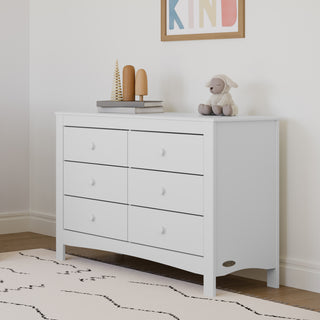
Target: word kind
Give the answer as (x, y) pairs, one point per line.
(201, 16)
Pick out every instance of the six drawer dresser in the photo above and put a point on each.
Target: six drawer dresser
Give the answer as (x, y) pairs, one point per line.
(194, 192)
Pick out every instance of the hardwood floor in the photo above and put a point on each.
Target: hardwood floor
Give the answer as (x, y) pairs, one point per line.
(290, 296)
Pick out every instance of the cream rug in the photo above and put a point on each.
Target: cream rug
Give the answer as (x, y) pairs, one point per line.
(33, 285)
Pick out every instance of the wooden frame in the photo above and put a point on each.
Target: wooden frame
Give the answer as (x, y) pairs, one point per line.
(192, 34)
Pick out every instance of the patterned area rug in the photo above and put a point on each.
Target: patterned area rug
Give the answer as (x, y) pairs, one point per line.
(33, 285)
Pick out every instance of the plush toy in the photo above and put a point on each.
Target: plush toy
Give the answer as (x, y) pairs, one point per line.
(220, 102)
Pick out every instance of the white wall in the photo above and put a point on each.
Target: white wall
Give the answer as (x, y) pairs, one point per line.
(73, 48)
(14, 112)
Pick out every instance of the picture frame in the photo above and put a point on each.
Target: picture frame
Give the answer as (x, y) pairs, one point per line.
(202, 19)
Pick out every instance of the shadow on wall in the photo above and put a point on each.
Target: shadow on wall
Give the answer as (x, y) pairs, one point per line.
(171, 89)
(298, 185)
(255, 99)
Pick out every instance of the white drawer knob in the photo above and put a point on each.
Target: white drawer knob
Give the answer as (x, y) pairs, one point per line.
(163, 191)
(163, 152)
(163, 230)
(93, 146)
(93, 182)
(92, 218)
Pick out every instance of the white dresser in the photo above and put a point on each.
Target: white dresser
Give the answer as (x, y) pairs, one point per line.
(195, 192)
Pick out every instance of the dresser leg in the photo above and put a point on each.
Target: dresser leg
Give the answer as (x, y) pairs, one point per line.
(60, 251)
(209, 285)
(273, 278)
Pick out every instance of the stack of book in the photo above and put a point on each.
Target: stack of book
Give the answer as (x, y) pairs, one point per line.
(109, 106)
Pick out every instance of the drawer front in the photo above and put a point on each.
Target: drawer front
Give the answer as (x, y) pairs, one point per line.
(95, 181)
(165, 190)
(96, 217)
(95, 146)
(165, 151)
(168, 230)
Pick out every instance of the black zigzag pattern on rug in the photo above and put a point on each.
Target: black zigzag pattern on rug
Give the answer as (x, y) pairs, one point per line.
(97, 278)
(117, 305)
(13, 271)
(29, 287)
(37, 310)
(72, 272)
(48, 260)
(216, 300)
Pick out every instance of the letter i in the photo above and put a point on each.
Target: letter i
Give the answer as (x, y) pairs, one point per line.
(191, 14)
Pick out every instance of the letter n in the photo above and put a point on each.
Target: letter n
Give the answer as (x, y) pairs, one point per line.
(173, 16)
(211, 9)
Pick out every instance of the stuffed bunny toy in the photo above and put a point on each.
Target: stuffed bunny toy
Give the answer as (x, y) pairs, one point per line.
(220, 103)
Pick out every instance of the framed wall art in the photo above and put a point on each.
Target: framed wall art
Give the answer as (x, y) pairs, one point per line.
(202, 19)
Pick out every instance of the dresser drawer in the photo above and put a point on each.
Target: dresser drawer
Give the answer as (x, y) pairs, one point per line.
(168, 230)
(95, 145)
(95, 217)
(165, 190)
(95, 181)
(165, 151)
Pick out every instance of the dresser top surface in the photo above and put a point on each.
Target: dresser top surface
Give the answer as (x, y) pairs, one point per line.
(170, 116)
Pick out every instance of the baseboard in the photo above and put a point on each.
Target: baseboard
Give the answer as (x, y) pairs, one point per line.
(293, 273)
(43, 223)
(14, 222)
(300, 274)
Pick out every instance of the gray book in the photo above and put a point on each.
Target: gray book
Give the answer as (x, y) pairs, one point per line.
(130, 110)
(129, 104)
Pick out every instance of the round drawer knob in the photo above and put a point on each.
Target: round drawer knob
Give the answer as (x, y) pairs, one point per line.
(92, 218)
(163, 191)
(93, 182)
(163, 152)
(163, 230)
(93, 146)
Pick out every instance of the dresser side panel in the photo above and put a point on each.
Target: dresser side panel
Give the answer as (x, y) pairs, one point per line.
(246, 195)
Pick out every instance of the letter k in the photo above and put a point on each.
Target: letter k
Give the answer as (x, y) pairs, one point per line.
(173, 16)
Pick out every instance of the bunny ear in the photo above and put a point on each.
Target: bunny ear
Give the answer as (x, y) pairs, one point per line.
(232, 83)
(229, 81)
